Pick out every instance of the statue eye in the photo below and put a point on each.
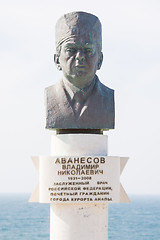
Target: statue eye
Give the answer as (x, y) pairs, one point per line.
(90, 51)
(70, 50)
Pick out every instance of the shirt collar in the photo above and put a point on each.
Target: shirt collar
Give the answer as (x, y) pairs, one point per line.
(72, 90)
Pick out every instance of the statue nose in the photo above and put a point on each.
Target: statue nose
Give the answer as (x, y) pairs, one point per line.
(80, 56)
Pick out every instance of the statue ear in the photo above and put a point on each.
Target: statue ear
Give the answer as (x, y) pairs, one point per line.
(56, 60)
(100, 61)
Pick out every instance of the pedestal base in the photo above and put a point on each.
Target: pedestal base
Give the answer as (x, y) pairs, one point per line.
(79, 221)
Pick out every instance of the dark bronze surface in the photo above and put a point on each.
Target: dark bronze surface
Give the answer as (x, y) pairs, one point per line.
(79, 100)
(79, 131)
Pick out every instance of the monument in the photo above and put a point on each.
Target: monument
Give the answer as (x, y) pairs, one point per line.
(79, 100)
(79, 179)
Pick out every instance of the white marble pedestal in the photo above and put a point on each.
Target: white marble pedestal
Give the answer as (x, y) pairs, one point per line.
(77, 221)
(78, 179)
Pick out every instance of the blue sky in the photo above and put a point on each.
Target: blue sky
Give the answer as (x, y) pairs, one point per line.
(131, 47)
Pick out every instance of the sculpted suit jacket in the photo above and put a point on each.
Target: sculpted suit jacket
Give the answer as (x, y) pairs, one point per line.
(96, 113)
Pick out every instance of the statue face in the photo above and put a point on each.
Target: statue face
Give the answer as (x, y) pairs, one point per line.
(79, 58)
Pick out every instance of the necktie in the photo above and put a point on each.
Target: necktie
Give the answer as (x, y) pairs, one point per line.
(78, 103)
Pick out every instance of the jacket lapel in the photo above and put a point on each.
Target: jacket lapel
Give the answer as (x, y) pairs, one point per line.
(63, 101)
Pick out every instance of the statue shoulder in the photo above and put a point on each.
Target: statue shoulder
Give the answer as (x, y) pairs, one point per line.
(104, 89)
(52, 87)
(53, 90)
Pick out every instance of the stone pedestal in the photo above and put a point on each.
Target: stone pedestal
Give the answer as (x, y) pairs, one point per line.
(79, 179)
(87, 221)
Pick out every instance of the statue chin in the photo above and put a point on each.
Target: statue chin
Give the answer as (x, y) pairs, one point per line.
(79, 80)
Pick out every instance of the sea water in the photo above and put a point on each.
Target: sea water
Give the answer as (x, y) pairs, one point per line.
(138, 220)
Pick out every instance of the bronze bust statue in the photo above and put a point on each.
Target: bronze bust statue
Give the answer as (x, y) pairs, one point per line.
(79, 100)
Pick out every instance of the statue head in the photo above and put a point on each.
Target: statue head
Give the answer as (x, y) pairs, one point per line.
(78, 47)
